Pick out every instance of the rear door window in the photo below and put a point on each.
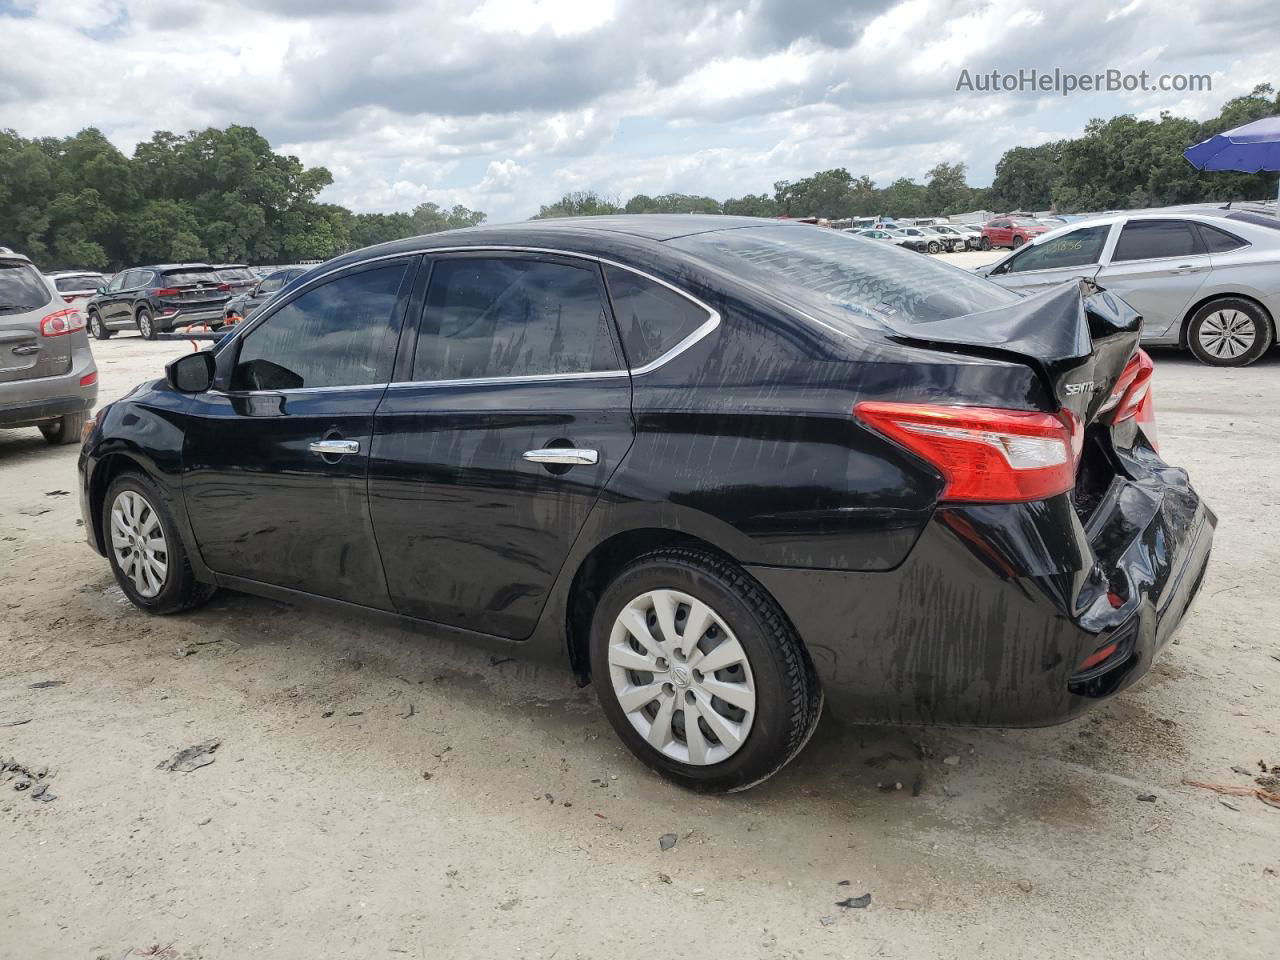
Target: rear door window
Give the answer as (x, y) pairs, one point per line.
(489, 317)
(1219, 241)
(653, 319)
(22, 288)
(338, 334)
(1155, 240)
(1079, 248)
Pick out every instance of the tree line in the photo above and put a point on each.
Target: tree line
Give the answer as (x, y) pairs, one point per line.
(225, 196)
(221, 196)
(1115, 164)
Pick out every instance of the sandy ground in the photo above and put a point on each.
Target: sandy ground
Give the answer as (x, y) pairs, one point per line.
(386, 794)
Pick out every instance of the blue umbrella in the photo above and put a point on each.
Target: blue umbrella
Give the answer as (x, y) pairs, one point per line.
(1253, 148)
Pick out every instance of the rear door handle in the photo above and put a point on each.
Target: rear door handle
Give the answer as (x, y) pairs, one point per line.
(1185, 268)
(334, 448)
(567, 456)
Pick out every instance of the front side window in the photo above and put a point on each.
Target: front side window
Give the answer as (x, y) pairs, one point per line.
(651, 318)
(338, 334)
(272, 283)
(1156, 239)
(512, 317)
(1079, 248)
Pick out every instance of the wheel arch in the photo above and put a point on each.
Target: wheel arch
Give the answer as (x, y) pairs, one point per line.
(1184, 331)
(107, 469)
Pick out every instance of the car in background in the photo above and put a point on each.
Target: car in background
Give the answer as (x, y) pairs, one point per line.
(77, 287)
(48, 378)
(1204, 281)
(262, 291)
(896, 237)
(158, 298)
(1010, 232)
(962, 240)
(237, 276)
(538, 436)
(930, 240)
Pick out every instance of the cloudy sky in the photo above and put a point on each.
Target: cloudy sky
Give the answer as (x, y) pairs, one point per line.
(505, 104)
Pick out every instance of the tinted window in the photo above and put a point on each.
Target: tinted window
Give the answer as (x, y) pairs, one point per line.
(182, 276)
(847, 276)
(1150, 239)
(72, 284)
(337, 334)
(21, 288)
(998, 224)
(1219, 241)
(235, 275)
(652, 318)
(117, 282)
(1078, 248)
(1257, 219)
(512, 317)
(273, 283)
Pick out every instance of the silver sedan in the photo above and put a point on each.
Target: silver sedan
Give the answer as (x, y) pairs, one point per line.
(1207, 280)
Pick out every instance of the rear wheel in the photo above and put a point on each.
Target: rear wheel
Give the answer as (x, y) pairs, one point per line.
(64, 430)
(1229, 332)
(1017, 242)
(97, 327)
(145, 550)
(146, 324)
(985, 243)
(700, 673)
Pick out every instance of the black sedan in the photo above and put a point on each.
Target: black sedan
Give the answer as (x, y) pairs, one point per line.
(725, 468)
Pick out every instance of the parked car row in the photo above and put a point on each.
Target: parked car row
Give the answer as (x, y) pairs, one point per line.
(923, 239)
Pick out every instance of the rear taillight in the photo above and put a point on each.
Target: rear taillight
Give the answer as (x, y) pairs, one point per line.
(985, 454)
(1131, 388)
(165, 292)
(68, 299)
(61, 323)
(89, 379)
(224, 287)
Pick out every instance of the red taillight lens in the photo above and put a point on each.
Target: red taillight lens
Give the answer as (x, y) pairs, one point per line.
(985, 454)
(224, 287)
(1131, 387)
(68, 299)
(165, 292)
(89, 379)
(61, 323)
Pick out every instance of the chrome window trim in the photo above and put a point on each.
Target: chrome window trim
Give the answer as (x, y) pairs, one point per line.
(704, 330)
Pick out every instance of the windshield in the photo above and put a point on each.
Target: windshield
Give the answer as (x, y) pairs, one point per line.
(21, 287)
(236, 275)
(851, 274)
(83, 282)
(190, 276)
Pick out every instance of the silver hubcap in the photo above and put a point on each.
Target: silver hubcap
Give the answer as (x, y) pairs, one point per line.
(144, 325)
(1227, 334)
(682, 677)
(137, 540)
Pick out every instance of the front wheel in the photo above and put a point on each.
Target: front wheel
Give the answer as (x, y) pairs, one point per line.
(146, 325)
(145, 550)
(934, 247)
(1017, 242)
(985, 243)
(1229, 332)
(700, 673)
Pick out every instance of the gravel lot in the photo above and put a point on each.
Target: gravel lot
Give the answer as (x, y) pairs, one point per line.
(387, 794)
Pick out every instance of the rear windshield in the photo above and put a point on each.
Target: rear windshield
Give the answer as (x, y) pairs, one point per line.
(236, 275)
(21, 287)
(1257, 219)
(71, 284)
(856, 276)
(179, 277)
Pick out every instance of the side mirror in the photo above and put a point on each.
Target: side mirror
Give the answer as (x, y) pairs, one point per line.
(192, 373)
(101, 291)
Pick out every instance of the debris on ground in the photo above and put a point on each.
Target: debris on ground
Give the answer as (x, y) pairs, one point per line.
(46, 684)
(499, 661)
(192, 758)
(952, 761)
(34, 781)
(34, 511)
(406, 716)
(667, 841)
(14, 723)
(882, 760)
(842, 883)
(826, 921)
(855, 903)
(1147, 797)
(664, 878)
(181, 652)
(1025, 886)
(1228, 804)
(57, 493)
(1269, 797)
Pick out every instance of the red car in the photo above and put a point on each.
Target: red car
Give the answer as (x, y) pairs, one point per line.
(1010, 232)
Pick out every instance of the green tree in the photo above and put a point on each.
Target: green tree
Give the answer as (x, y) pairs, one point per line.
(672, 203)
(828, 193)
(580, 203)
(751, 205)
(1026, 177)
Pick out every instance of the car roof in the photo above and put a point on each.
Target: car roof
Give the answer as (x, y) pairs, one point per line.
(231, 266)
(9, 254)
(171, 266)
(74, 273)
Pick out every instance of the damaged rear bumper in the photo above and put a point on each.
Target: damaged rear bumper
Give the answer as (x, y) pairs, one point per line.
(990, 618)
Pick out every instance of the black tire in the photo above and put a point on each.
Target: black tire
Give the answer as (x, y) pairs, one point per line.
(788, 696)
(180, 589)
(1017, 242)
(1236, 310)
(985, 243)
(934, 247)
(146, 324)
(98, 328)
(64, 430)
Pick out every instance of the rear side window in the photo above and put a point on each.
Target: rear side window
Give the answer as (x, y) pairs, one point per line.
(651, 318)
(1219, 241)
(22, 288)
(338, 334)
(1079, 248)
(512, 317)
(1156, 239)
